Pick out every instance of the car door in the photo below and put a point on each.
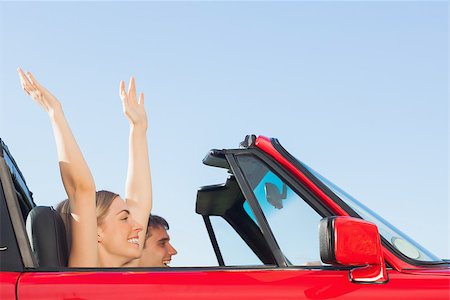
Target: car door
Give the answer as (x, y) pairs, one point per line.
(288, 214)
(10, 260)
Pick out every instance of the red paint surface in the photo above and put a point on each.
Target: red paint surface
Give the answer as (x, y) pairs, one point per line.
(8, 285)
(218, 285)
(357, 242)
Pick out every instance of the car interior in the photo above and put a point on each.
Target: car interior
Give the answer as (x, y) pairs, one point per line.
(47, 235)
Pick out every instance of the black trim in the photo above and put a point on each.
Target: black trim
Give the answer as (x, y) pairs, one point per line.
(216, 158)
(190, 269)
(213, 239)
(256, 209)
(326, 236)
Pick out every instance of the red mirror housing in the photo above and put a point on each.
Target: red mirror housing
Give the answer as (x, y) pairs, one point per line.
(353, 242)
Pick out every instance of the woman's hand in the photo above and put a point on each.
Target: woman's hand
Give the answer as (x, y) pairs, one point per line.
(134, 110)
(39, 93)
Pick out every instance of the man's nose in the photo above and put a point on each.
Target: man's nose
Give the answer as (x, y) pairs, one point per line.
(172, 250)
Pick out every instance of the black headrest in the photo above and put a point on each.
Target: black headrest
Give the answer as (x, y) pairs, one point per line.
(47, 236)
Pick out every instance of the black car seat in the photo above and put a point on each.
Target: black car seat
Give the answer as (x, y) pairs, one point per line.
(47, 236)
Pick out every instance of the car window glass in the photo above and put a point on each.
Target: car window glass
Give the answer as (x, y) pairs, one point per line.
(392, 235)
(235, 251)
(293, 222)
(23, 194)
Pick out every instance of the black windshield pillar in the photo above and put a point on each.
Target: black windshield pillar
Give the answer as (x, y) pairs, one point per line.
(213, 239)
(256, 209)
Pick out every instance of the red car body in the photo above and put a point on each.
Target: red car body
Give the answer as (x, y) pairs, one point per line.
(357, 262)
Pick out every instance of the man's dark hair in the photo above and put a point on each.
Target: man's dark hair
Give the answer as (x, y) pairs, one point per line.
(154, 222)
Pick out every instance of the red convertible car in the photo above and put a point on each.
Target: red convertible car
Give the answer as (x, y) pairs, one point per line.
(279, 231)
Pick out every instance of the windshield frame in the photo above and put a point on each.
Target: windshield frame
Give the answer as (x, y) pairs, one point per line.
(305, 170)
(381, 223)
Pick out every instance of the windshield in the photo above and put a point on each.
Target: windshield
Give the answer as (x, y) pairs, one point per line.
(395, 237)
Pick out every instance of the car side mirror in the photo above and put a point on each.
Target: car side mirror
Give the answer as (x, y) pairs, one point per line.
(353, 242)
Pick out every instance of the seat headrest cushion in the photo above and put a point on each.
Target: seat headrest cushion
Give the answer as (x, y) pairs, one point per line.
(47, 236)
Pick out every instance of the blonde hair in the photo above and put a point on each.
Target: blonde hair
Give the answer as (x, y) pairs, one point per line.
(103, 200)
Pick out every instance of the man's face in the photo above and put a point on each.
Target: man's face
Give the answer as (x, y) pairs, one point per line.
(157, 250)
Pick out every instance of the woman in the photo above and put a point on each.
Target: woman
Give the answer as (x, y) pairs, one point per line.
(105, 230)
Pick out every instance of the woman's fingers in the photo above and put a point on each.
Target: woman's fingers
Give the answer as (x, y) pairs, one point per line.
(25, 82)
(122, 92)
(141, 99)
(25, 86)
(132, 90)
(33, 80)
(30, 85)
(26, 90)
(23, 78)
(22, 75)
(129, 96)
(37, 92)
(133, 108)
(124, 96)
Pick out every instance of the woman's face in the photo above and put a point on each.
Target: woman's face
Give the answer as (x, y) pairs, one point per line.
(118, 234)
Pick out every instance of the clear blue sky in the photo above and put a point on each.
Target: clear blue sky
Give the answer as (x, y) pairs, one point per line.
(357, 90)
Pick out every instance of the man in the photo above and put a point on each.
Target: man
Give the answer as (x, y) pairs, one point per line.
(157, 250)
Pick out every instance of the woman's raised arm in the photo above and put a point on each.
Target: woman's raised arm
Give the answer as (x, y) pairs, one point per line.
(77, 179)
(138, 188)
